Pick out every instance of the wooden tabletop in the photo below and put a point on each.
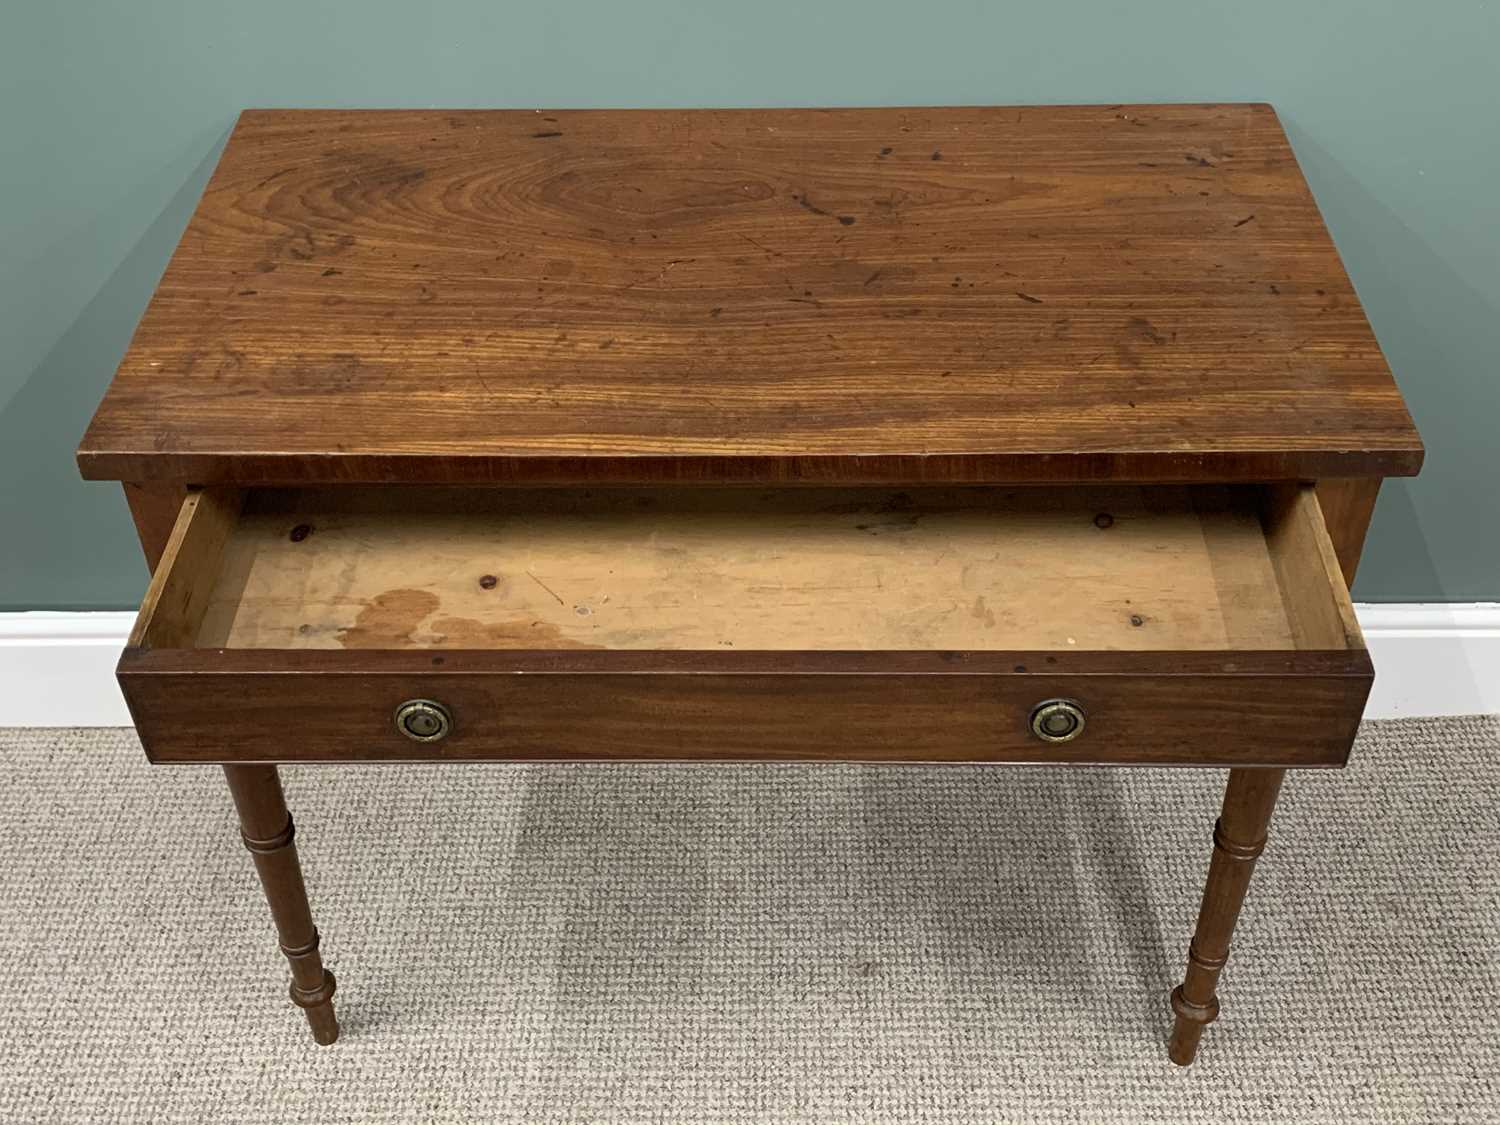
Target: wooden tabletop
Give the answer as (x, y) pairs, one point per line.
(863, 295)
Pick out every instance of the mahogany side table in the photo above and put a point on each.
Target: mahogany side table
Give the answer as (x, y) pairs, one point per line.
(1042, 434)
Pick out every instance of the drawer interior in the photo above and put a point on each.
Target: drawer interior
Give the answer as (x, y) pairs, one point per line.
(1160, 568)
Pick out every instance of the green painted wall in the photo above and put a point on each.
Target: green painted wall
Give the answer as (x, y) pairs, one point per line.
(111, 115)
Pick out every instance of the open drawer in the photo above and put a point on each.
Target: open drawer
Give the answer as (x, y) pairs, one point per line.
(1173, 625)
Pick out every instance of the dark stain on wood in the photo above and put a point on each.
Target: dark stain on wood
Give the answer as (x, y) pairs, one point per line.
(524, 632)
(982, 612)
(1140, 326)
(390, 619)
(807, 205)
(394, 619)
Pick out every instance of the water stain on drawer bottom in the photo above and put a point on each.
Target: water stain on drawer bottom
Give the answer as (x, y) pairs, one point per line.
(405, 617)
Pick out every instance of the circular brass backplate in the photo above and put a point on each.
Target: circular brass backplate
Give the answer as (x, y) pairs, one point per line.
(1057, 720)
(423, 720)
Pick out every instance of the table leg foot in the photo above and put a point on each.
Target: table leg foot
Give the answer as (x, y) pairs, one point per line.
(268, 833)
(1239, 837)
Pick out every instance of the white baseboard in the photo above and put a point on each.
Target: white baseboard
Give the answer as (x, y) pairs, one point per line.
(57, 669)
(1433, 659)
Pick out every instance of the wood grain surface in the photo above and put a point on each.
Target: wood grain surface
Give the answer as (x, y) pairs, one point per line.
(859, 296)
(1089, 567)
(1187, 708)
(1347, 507)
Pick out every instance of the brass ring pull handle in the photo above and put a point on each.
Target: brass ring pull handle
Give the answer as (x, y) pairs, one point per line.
(423, 720)
(1057, 720)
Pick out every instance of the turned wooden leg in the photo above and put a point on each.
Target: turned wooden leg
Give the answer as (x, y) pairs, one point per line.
(1239, 836)
(266, 828)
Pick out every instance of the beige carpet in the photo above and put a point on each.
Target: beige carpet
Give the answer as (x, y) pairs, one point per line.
(749, 944)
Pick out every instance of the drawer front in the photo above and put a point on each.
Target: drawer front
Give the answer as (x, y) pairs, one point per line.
(204, 686)
(1262, 709)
